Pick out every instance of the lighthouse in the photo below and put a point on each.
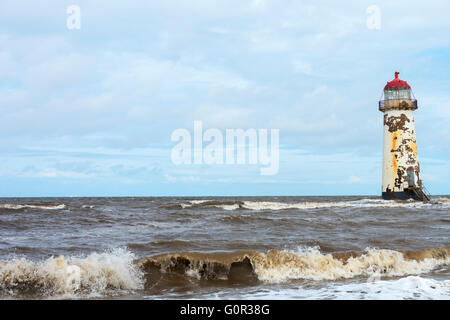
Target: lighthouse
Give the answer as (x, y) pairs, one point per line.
(401, 171)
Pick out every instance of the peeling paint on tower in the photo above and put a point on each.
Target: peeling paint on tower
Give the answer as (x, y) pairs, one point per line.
(401, 171)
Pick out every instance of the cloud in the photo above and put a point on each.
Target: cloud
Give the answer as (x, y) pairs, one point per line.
(355, 179)
(219, 30)
(54, 173)
(58, 72)
(135, 72)
(303, 67)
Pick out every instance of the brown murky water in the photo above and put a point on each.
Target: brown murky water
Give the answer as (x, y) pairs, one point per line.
(224, 248)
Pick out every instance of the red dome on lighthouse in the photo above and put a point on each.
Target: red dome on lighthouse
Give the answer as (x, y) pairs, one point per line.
(397, 83)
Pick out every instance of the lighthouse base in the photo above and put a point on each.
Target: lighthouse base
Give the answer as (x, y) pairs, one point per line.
(411, 193)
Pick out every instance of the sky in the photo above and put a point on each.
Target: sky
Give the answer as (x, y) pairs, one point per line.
(90, 111)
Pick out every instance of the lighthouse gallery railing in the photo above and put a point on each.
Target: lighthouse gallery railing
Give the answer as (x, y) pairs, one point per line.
(401, 104)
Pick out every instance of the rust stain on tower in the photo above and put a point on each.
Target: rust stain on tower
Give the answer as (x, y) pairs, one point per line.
(401, 173)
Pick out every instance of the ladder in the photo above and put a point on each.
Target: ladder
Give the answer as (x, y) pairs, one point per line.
(421, 193)
(426, 192)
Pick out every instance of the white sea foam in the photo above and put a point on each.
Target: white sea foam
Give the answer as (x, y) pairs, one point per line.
(370, 272)
(311, 264)
(282, 266)
(33, 206)
(411, 287)
(193, 203)
(363, 203)
(198, 201)
(96, 273)
(227, 206)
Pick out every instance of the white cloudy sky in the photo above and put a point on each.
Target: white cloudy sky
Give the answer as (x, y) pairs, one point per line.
(91, 111)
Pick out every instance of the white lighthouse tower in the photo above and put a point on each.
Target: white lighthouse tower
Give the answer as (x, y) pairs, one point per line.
(401, 171)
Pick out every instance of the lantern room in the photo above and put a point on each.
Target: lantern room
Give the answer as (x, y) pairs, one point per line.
(397, 94)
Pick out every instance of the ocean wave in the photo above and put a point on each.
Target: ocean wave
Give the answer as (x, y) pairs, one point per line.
(95, 274)
(228, 206)
(273, 205)
(309, 263)
(167, 243)
(32, 206)
(193, 203)
(118, 270)
(410, 287)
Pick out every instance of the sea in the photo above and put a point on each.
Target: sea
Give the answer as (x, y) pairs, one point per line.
(355, 247)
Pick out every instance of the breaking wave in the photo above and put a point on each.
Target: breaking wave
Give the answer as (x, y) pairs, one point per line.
(272, 205)
(118, 271)
(32, 206)
(411, 287)
(95, 274)
(308, 263)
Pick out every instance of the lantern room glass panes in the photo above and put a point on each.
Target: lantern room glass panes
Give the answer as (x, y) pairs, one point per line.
(401, 93)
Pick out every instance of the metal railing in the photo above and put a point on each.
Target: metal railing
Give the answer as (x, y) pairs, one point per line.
(402, 104)
(426, 192)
